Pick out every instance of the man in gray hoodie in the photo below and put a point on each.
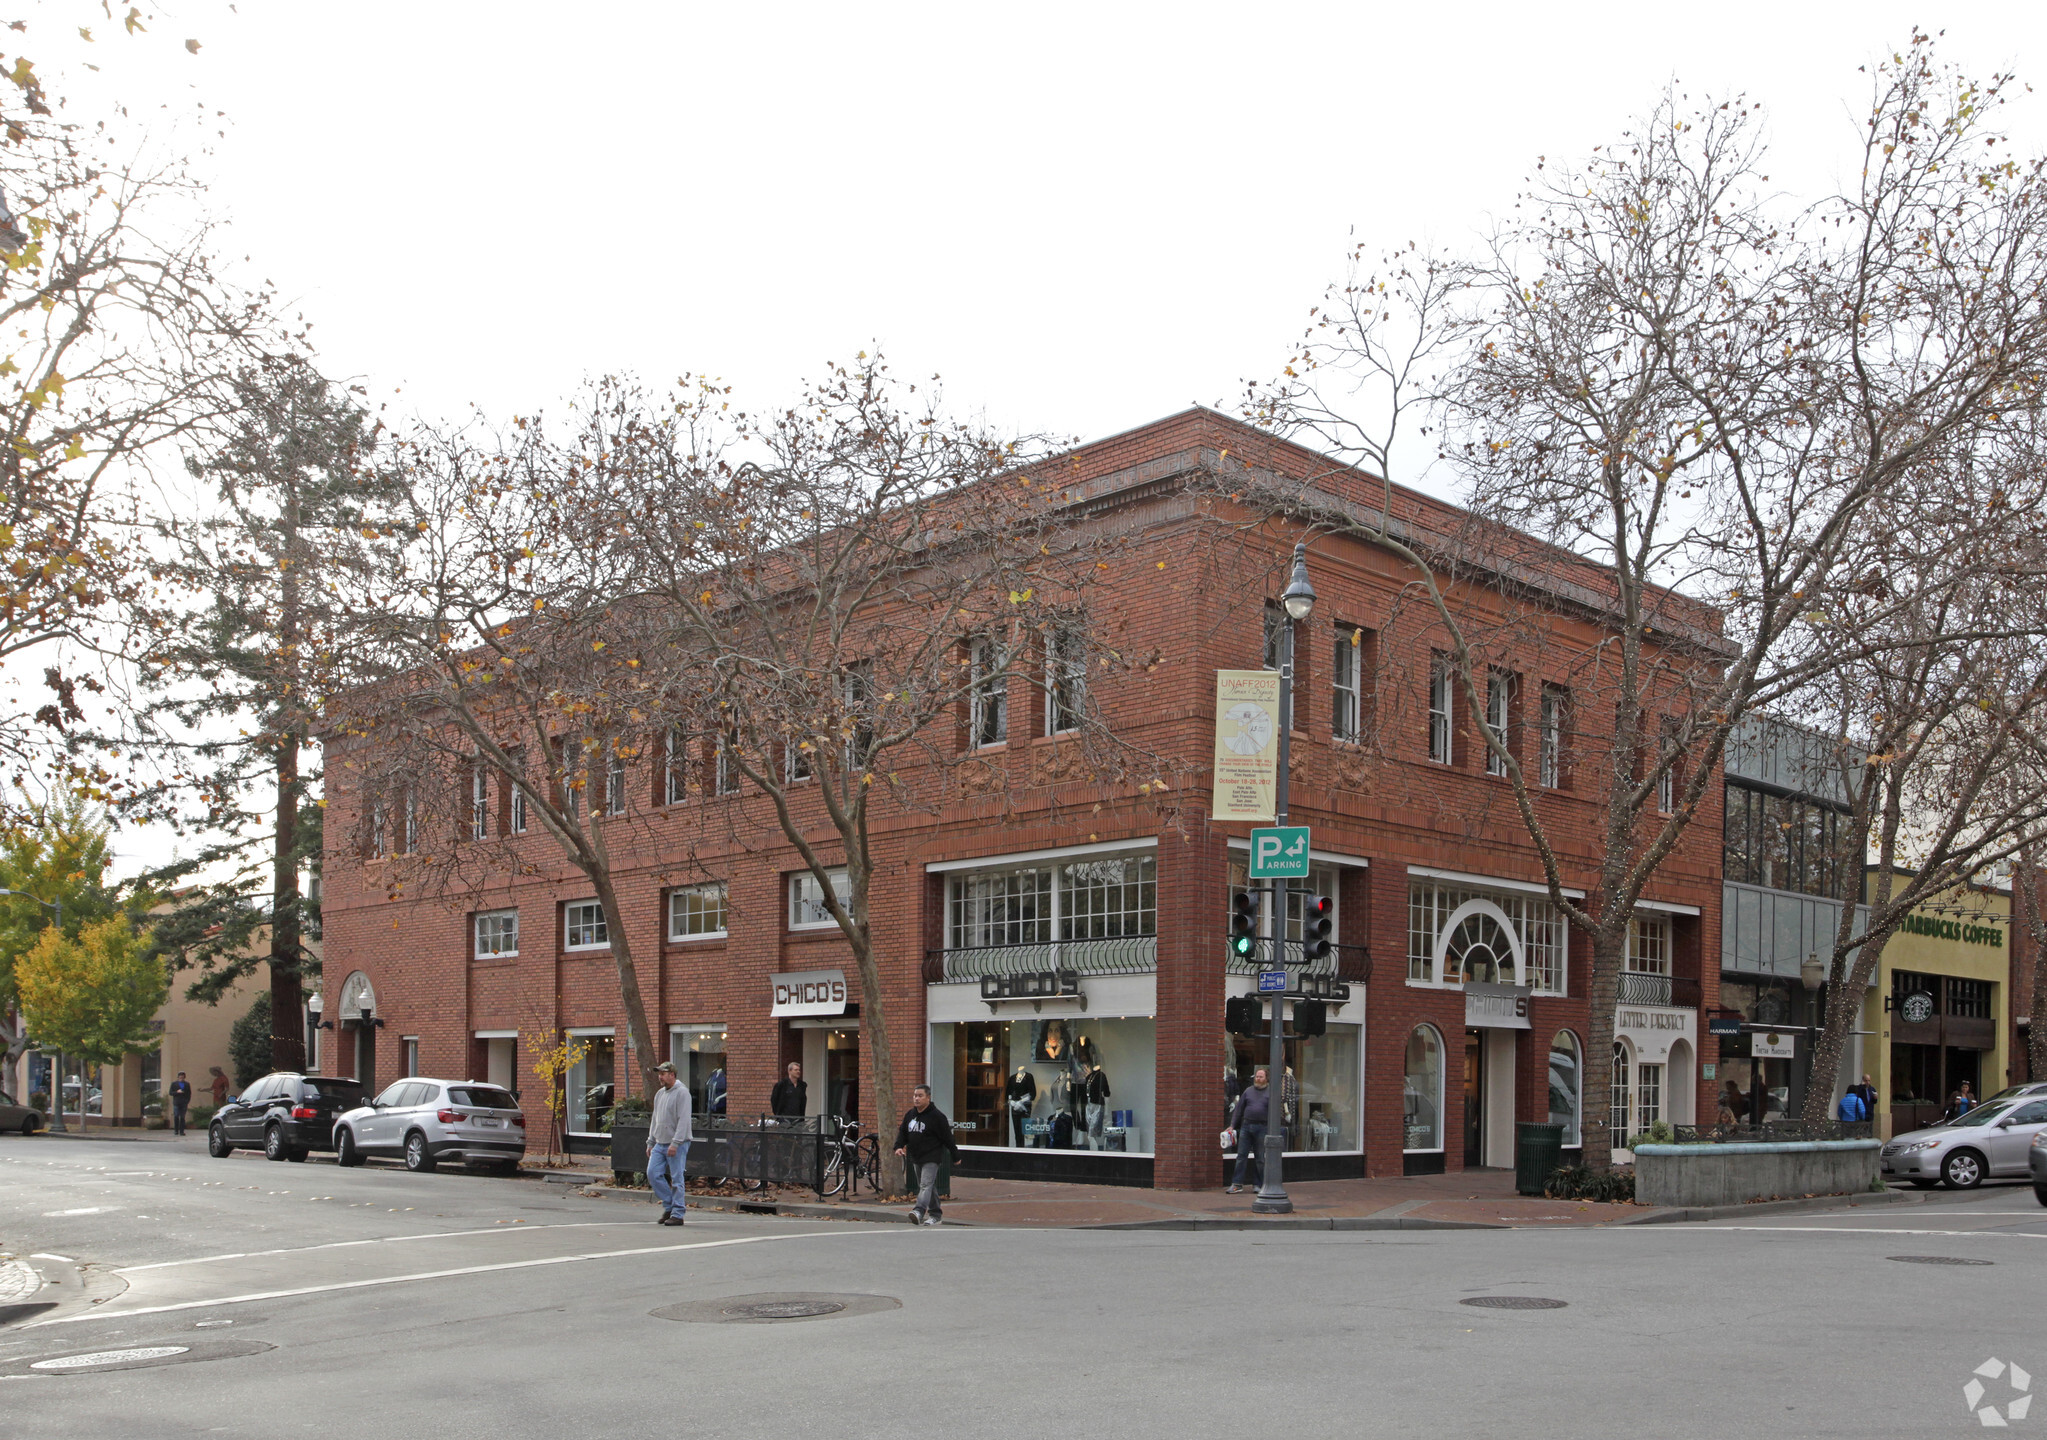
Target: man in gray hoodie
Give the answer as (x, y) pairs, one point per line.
(668, 1140)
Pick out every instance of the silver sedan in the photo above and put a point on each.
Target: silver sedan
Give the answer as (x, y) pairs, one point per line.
(1992, 1139)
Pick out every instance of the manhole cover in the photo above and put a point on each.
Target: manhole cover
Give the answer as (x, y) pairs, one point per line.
(1936, 1260)
(1514, 1302)
(110, 1357)
(786, 1309)
(777, 1308)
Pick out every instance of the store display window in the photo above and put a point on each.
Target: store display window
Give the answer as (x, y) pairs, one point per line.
(1322, 1088)
(1048, 1082)
(1423, 1089)
(698, 1053)
(1566, 1086)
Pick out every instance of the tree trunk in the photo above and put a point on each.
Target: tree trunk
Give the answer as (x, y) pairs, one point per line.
(878, 1053)
(1846, 986)
(2035, 926)
(641, 1038)
(287, 997)
(1595, 1126)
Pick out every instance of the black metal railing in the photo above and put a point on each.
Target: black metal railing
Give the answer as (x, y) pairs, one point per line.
(1124, 955)
(760, 1150)
(1641, 989)
(1343, 962)
(1775, 1130)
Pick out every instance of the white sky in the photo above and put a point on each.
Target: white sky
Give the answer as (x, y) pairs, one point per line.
(1083, 216)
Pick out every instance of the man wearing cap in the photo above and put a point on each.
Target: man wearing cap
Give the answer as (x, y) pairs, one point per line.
(668, 1144)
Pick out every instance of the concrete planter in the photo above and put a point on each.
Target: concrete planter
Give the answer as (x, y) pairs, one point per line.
(1737, 1174)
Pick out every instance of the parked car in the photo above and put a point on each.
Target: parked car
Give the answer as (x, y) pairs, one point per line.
(427, 1121)
(2038, 1153)
(1992, 1139)
(2013, 1092)
(284, 1115)
(18, 1117)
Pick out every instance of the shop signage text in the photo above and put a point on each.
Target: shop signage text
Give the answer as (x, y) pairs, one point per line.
(1989, 935)
(1030, 985)
(1246, 745)
(1650, 1020)
(1773, 1045)
(810, 992)
(1496, 1007)
(1917, 1007)
(1280, 852)
(1723, 1025)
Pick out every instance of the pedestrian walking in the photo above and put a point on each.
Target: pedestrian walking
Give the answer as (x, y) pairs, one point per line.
(219, 1087)
(668, 1140)
(181, 1101)
(1249, 1119)
(791, 1097)
(1867, 1091)
(1852, 1110)
(924, 1135)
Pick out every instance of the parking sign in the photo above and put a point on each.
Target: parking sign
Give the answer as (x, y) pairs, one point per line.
(1279, 852)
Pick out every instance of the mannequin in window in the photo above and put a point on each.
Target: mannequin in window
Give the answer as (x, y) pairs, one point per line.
(714, 1092)
(1022, 1093)
(1084, 1053)
(1096, 1089)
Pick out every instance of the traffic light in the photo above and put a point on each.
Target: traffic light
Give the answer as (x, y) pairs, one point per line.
(1317, 926)
(1243, 924)
(1244, 1015)
(1311, 1018)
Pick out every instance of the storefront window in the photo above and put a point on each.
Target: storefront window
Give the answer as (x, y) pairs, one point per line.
(1322, 1098)
(1565, 1082)
(589, 1085)
(1617, 1117)
(1083, 899)
(1424, 1089)
(1535, 923)
(698, 1052)
(1048, 1082)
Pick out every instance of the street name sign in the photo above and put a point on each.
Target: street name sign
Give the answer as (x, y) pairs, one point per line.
(1279, 852)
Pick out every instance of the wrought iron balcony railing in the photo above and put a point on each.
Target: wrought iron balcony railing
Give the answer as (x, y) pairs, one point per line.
(1344, 962)
(1637, 988)
(1128, 955)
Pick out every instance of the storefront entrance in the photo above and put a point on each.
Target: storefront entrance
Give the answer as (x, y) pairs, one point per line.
(1474, 1099)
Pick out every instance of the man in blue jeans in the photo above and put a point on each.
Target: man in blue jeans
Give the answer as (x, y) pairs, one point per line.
(1249, 1117)
(668, 1138)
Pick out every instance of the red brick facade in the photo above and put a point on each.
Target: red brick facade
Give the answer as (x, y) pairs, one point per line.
(1185, 600)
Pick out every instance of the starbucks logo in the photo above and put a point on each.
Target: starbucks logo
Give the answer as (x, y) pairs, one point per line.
(1918, 1007)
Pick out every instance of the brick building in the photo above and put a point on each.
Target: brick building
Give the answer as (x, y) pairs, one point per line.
(1126, 888)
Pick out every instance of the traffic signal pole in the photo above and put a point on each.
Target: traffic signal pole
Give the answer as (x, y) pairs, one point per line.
(1272, 1197)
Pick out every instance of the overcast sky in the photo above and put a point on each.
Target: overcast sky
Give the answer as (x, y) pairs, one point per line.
(1084, 217)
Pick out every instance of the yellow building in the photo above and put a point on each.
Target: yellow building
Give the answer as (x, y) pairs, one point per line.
(1938, 1009)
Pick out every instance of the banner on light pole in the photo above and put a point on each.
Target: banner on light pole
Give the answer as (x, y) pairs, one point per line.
(1246, 745)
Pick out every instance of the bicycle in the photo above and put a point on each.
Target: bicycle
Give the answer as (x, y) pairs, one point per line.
(852, 1157)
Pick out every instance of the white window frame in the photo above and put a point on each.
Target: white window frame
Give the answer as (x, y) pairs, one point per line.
(518, 808)
(1619, 1104)
(479, 801)
(1043, 906)
(476, 933)
(1648, 1095)
(1065, 681)
(411, 822)
(676, 770)
(725, 776)
(988, 691)
(614, 786)
(408, 1052)
(1441, 732)
(1346, 682)
(1499, 700)
(379, 826)
(1538, 928)
(683, 894)
(1648, 950)
(797, 767)
(569, 925)
(804, 889)
(1550, 754)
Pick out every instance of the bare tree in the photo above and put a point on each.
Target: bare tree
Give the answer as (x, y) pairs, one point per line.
(1713, 401)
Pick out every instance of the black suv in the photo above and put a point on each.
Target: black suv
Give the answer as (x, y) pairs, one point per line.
(285, 1116)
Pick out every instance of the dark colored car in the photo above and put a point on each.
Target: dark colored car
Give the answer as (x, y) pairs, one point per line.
(285, 1116)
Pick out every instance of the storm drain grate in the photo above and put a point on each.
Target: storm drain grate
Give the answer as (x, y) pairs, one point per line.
(97, 1358)
(785, 1309)
(1936, 1260)
(1514, 1302)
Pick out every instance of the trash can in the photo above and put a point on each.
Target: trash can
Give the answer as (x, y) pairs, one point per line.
(1538, 1153)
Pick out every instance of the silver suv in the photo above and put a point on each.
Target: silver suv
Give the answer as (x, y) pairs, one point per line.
(428, 1121)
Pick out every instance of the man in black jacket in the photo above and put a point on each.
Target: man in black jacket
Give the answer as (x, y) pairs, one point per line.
(791, 1097)
(924, 1135)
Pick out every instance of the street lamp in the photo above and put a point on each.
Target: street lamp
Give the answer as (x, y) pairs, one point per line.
(1298, 601)
(56, 908)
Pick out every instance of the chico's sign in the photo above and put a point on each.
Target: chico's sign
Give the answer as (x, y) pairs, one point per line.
(810, 992)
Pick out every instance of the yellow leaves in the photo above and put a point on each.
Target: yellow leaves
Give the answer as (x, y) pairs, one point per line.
(1020, 597)
(596, 644)
(1161, 565)
(705, 598)
(133, 20)
(76, 449)
(24, 72)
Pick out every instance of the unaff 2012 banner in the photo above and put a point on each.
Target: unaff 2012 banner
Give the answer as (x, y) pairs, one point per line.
(1246, 744)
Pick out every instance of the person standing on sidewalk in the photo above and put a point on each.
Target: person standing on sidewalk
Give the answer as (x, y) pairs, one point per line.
(668, 1139)
(924, 1135)
(219, 1084)
(1252, 1113)
(181, 1101)
(791, 1097)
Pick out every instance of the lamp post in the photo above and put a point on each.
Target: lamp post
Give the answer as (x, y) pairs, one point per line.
(1298, 601)
(315, 1003)
(56, 908)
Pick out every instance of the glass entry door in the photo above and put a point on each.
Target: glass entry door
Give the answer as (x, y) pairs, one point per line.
(1474, 1098)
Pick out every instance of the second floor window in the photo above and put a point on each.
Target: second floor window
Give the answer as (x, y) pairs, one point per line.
(518, 809)
(497, 933)
(696, 913)
(988, 722)
(1065, 680)
(1347, 707)
(1550, 761)
(584, 927)
(479, 802)
(807, 908)
(1648, 945)
(726, 768)
(1499, 695)
(1439, 708)
(1078, 899)
(675, 785)
(614, 786)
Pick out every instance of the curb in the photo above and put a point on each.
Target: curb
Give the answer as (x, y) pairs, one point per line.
(735, 1205)
(1300, 1222)
(1693, 1213)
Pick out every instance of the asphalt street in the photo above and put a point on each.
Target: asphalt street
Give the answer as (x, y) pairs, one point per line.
(270, 1299)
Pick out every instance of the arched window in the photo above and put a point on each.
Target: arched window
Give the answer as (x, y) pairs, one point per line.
(1566, 1086)
(1617, 1118)
(1424, 1089)
(1479, 949)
